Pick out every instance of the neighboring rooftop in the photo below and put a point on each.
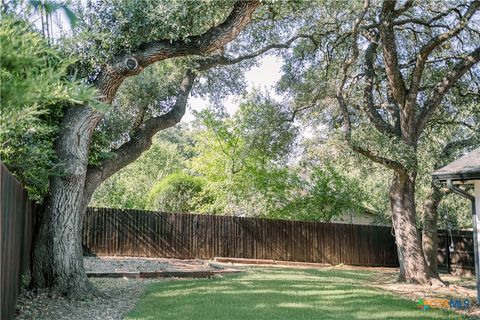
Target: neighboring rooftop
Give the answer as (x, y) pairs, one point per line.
(464, 168)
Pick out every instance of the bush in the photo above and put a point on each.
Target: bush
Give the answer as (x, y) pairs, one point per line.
(178, 192)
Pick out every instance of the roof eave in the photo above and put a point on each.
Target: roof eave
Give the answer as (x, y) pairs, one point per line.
(456, 176)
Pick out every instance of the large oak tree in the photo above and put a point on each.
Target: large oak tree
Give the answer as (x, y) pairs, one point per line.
(57, 256)
(383, 71)
(119, 41)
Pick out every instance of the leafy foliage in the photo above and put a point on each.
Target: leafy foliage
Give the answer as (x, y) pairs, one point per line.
(453, 131)
(343, 76)
(248, 163)
(107, 28)
(242, 156)
(327, 193)
(130, 187)
(34, 90)
(348, 178)
(237, 165)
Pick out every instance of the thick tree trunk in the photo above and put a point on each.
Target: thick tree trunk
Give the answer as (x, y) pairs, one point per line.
(57, 255)
(402, 201)
(429, 234)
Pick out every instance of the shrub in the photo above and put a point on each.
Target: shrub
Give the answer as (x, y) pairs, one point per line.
(178, 192)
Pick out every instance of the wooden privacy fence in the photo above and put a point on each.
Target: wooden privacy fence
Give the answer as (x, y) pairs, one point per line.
(455, 252)
(189, 236)
(16, 226)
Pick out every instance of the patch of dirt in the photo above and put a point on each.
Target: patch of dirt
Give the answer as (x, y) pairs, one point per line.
(239, 262)
(456, 288)
(120, 297)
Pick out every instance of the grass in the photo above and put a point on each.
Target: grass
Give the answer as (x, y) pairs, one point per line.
(271, 293)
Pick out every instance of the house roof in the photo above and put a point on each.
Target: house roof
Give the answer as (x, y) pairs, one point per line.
(464, 168)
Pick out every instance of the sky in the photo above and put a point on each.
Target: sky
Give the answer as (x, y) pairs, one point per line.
(263, 76)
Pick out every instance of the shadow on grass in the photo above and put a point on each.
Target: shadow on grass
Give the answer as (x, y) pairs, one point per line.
(263, 293)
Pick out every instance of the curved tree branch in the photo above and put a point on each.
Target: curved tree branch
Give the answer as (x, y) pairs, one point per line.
(141, 139)
(347, 124)
(369, 105)
(425, 23)
(450, 148)
(224, 60)
(126, 65)
(348, 63)
(391, 164)
(407, 6)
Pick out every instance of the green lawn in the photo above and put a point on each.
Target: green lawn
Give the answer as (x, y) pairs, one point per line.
(271, 293)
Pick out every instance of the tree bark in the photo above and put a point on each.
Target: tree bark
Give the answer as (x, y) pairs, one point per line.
(57, 254)
(429, 233)
(402, 201)
(401, 263)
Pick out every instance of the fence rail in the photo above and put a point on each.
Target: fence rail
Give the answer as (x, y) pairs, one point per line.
(16, 226)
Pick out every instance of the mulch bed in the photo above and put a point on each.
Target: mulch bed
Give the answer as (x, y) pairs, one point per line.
(235, 262)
